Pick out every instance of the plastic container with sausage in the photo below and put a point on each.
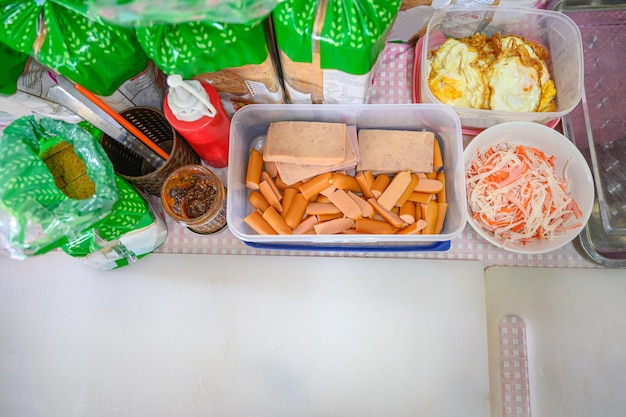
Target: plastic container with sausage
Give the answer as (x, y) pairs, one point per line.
(248, 129)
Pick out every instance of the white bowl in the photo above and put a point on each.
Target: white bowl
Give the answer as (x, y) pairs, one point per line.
(569, 163)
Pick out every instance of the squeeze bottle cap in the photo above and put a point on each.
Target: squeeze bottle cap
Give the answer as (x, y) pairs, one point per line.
(188, 100)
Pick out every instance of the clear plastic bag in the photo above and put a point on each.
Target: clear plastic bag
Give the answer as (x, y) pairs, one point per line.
(36, 214)
(46, 203)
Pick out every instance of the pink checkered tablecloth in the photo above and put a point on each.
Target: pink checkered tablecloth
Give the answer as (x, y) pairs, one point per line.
(393, 84)
(514, 367)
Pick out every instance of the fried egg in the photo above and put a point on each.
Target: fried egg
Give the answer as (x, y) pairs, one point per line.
(456, 76)
(514, 86)
(503, 73)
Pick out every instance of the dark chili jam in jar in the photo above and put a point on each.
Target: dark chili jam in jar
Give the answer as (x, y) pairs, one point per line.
(195, 197)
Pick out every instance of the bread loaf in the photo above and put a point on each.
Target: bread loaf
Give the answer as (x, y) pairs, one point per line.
(329, 49)
(409, 4)
(236, 59)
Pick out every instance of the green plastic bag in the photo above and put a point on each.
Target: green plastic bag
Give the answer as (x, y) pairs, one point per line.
(194, 48)
(329, 50)
(234, 58)
(35, 215)
(144, 12)
(127, 234)
(93, 53)
(13, 66)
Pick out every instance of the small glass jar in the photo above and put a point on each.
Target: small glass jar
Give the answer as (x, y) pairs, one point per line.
(195, 197)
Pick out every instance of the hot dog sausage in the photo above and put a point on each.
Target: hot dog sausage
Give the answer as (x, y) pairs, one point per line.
(365, 179)
(254, 169)
(407, 212)
(366, 209)
(380, 183)
(394, 190)
(257, 201)
(413, 229)
(343, 202)
(334, 226)
(426, 185)
(315, 208)
(388, 215)
(270, 196)
(274, 219)
(256, 221)
(315, 185)
(371, 226)
(296, 211)
(288, 195)
(305, 226)
(346, 182)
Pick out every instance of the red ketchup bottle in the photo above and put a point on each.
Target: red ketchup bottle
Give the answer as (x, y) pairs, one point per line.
(195, 111)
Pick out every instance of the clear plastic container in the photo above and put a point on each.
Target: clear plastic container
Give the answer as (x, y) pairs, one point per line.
(596, 125)
(554, 30)
(248, 128)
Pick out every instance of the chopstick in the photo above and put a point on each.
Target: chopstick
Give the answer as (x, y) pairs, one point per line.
(125, 123)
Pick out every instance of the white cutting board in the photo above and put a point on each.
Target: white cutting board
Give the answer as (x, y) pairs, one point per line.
(575, 322)
(194, 335)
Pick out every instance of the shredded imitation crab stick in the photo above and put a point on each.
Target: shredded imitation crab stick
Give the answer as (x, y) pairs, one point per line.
(515, 192)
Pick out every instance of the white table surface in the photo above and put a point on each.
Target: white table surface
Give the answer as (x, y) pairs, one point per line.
(231, 335)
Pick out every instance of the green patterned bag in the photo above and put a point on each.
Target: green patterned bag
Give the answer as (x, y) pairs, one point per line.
(41, 162)
(129, 233)
(233, 58)
(58, 189)
(143, 12)
(14, 63)
(95, 54)
(329, 49)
